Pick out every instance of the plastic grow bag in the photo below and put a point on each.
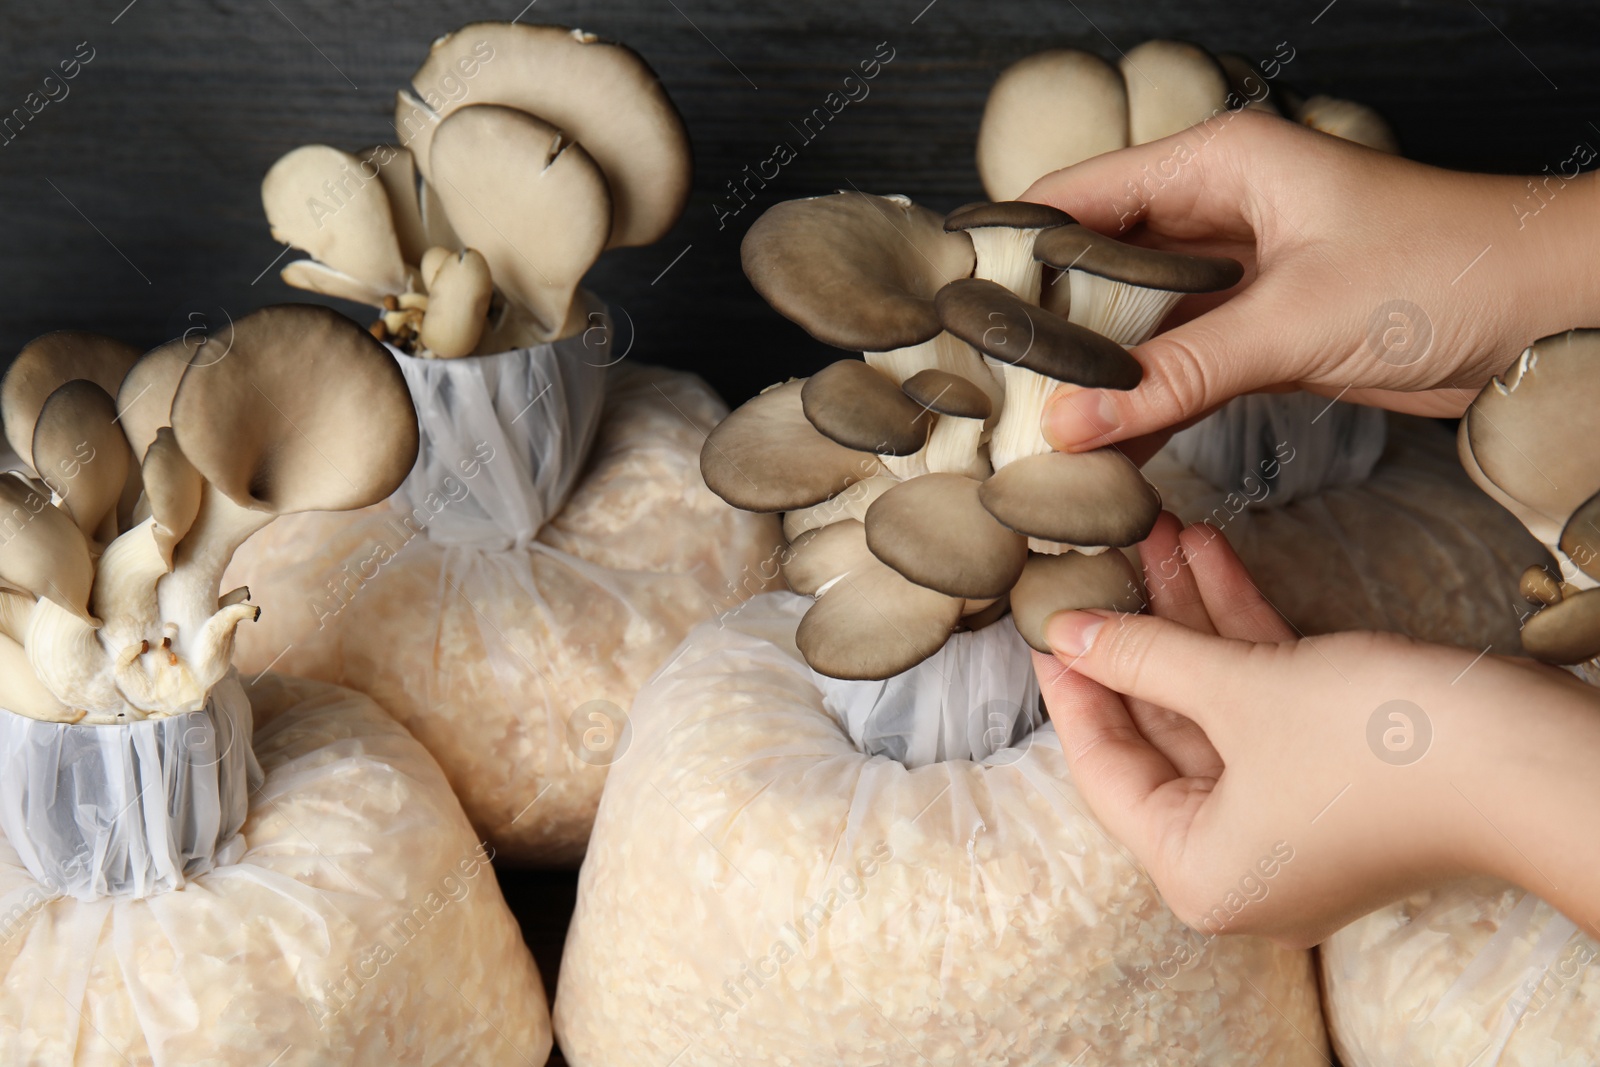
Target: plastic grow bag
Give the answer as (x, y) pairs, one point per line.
(353, 920)
(1413, 547)
(758, 890)
(513, 660)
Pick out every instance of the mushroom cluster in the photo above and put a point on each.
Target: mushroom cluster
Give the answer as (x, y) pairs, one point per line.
(524, 152)
(1157, 89)
(147, 472)
(920, 494)
(1526, 440)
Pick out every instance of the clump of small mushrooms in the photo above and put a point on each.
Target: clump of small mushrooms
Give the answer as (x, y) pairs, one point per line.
(921, 495)
(524, 152)
(1528, 440)
(146, 473)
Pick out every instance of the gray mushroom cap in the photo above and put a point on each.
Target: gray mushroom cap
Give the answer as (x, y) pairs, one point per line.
(1567, 632)
(933, 530)
(873, 624)
(1532, 436)
(1071, 581)
(860, 407)
(1077, 247)
(766, 456)
(945, 393)
(1004, 326)
(1010, 214)
(81, 454)
(819, 556)
(1580, 537)
(853, 270)
(1076, 498)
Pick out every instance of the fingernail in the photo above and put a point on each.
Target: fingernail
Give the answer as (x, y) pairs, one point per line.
(1070, 633)
(1078, 416)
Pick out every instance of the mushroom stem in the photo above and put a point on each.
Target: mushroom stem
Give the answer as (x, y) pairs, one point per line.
(67, 657)
(1128, 314)
(1017, 433)
(188, 595)
(1061, 548)
(946, 352)
(1005, 256)
(953, 448)
(850, 504)
(212, 651)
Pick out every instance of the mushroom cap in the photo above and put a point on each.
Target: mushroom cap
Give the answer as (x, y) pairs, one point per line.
(766, 456)
(1580, 537)
(1534, 432)
(1172, 85)
(1080, 248)
(316, 277)
(602, 94)
(1001, 324)
(818, 556)
(1071, 581)
(329, 204)
(873, 624)
(397, 171)
(1565, 633)
(946, 393)
(1349, 120)
(80, 452)
(860, 407)
(1046, 111)
(1009, 214)
(933, 530)
(305, 412)
(1537, 586)
(1076, 498)
(48, 362)
(173, 489)
(145, 399)
(853, 270)
(458, 305)
(530, 200)
(43, 552)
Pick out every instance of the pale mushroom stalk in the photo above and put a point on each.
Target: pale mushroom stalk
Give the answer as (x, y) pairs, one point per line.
(850, 504)
(1003, 236)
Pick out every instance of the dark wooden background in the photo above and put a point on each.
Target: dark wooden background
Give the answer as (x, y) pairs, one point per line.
(132, 204)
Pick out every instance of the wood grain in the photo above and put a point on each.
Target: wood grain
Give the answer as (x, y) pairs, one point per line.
(130, 206)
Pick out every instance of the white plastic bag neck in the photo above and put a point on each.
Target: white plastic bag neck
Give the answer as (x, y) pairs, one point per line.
(132, 809)
(503, 437)
(1278, 447)
(972, 698)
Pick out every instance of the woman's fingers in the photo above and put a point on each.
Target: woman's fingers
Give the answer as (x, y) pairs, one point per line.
(1168, 580)
(1231, 596)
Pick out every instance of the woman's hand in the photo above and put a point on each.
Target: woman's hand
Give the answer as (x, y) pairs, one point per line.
(1283, 786)
(1368, 276)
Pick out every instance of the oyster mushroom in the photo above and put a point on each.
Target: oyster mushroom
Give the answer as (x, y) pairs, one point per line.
(601, 94)
(861, 408)
(531, 201)
(960, 410)
(82, 455)
(1528, 441)
(860, 272)
(1035, 351)
(1172, 85)
(44, 365)
(459, 291)
(1349, 120)
(396, 170)
(852, 503)
(1071, 582)
(1002, 239)
(330, 205)
(1047, 111)
(272, 436)
(144, 402)
(1074, 498)
(1124, 291)
(934, 531)
(766, 456)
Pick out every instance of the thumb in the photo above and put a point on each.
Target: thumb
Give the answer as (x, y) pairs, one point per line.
(1152, 659)
(1188, 371)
